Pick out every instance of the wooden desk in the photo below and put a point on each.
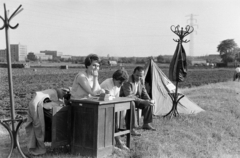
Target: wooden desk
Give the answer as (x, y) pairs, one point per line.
(94, 126)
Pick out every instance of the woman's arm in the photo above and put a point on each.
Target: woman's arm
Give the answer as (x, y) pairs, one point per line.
(96, 87)
(83, 82)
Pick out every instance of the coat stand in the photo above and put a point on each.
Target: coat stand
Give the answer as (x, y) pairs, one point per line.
(178, 66)
(13, 132)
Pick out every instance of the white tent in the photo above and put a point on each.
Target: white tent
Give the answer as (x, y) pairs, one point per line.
(160, 87)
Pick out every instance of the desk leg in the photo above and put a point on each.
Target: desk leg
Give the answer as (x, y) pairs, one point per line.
(129, 134)
(120, 118)
(116, 121)
(114, 127)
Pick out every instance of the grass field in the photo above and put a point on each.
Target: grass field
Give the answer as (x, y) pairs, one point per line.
(210, 134)
(213, 133)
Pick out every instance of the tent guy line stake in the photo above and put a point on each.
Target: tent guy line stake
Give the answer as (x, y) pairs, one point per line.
(13, 132)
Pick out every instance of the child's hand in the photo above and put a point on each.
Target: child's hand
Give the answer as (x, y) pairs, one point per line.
(101, 91)
(107, 91)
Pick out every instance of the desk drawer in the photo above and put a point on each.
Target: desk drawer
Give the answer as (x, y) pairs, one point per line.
(122, 106)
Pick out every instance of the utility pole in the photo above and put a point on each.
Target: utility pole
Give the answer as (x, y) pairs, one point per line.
(191, 43)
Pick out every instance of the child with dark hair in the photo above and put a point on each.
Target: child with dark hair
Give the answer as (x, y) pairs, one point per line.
(113, 85)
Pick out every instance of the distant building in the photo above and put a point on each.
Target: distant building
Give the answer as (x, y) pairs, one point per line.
(3, 55)
(55, 54)
(38, 56)
(198, 62)
(112, 63)
(66, 57)
(41, 56)
(31, 56)
(18, 53)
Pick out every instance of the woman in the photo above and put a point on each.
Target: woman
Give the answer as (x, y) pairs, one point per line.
(86, 83)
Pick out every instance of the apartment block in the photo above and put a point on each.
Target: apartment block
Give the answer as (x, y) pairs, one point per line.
(18, 53)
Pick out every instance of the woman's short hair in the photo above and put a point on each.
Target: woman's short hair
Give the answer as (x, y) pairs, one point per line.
(90, 58)
(120, 75)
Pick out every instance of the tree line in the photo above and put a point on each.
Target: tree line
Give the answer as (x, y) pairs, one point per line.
(229, 51)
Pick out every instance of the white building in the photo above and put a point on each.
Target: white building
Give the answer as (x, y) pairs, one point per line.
(66, 57)
(41, 56)
(55, 54)
(18, 52)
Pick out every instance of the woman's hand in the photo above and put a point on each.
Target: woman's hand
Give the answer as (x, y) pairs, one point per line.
(99, 92)
(95, 73)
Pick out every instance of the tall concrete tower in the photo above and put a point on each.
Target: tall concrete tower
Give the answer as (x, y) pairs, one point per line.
(191, 43)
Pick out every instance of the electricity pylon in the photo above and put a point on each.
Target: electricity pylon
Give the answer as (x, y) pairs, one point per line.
(191, 43)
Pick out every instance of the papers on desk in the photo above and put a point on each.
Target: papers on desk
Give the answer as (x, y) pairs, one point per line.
(93, 97)
(105, 97)
(90, 97)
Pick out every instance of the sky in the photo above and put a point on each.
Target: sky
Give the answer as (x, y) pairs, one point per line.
(123, 28)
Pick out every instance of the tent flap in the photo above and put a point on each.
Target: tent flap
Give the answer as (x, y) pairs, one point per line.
(160, 87)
